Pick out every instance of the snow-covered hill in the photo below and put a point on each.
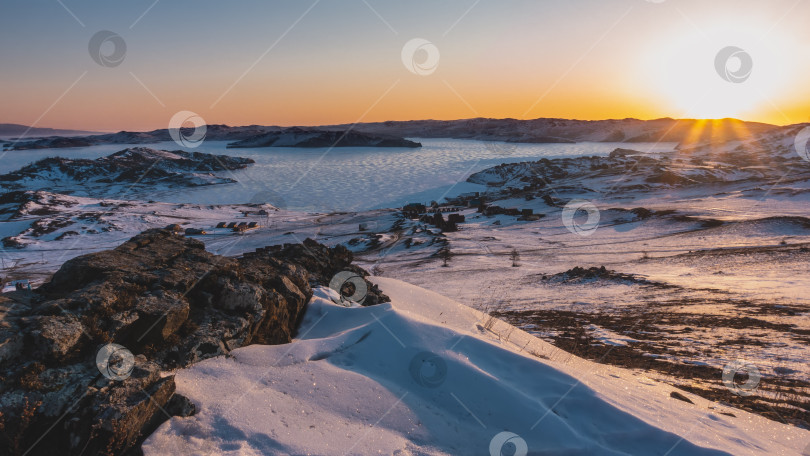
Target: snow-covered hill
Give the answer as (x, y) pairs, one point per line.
(426, 375)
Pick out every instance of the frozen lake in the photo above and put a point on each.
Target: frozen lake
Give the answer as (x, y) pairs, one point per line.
(348, 178)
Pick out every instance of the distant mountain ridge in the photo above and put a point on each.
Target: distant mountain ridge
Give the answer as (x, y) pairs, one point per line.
(8, 130)
(213, 132)
(550, 130)
(686, 132)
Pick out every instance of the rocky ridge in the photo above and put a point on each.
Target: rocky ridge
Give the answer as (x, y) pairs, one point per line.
(164, 299)
(745, 165)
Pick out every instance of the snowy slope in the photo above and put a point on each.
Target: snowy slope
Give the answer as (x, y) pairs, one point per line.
(427, 375)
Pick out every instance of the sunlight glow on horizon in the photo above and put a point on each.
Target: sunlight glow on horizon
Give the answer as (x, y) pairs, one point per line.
(682, 71)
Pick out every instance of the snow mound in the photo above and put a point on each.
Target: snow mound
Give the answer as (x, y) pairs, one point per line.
(426, 375)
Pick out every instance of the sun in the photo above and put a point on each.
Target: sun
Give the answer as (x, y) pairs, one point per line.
(731, 71)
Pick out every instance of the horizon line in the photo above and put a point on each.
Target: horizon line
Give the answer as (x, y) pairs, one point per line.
(422, 120)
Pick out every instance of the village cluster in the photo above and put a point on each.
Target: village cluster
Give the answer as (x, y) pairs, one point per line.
(433, 213)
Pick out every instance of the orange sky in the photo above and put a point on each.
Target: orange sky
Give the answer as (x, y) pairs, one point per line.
(341, 62)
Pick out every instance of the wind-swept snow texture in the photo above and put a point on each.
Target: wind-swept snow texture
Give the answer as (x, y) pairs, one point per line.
(426, 375)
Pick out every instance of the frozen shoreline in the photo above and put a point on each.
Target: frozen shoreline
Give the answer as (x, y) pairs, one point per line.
(349, 178)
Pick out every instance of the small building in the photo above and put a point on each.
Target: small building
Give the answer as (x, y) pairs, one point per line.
(232, 225)
(194, 231)
(414, 207)
(413, 210)
(175, 228)
(221, 225)
(526, 212)
(253, 225)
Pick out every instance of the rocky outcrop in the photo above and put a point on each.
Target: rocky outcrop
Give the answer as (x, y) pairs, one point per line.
(137, 166)
(752, 167)
(166, 303)
(580, 275)
(299, 137)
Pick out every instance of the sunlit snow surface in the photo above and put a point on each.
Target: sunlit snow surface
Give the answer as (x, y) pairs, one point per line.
(348, 385)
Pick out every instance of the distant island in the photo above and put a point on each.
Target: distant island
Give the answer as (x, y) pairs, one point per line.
(247, 136)
(299, 137)
(213, 132)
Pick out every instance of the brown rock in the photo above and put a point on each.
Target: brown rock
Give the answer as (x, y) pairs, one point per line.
(55, 337)
(159, 317)
(166, 300)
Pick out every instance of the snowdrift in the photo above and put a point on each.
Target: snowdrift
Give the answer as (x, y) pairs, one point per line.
(425, 375)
